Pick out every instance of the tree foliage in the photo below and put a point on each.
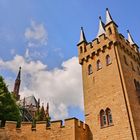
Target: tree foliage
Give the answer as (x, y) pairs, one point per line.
(8, 108)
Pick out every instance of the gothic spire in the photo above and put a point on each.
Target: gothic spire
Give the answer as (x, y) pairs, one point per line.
(17, 85)
(130, 39)
(101, 28)
(19, 73)
(82, 36)
(109, 18)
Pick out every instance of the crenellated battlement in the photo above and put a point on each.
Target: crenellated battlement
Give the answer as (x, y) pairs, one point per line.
(57, 130)
(125, 42)
(104, 42)
(71, 122)
(128, 48)
(94, 48)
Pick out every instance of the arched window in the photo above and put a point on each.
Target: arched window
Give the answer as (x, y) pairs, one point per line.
(138, 85)
(132, 66)
(99, 66)
(108, 60)
(81, 49)
(102, 118)
(90, 69)
(125, 60)
(109, 31)
(109, 116)
(135, 83)
(138, 70)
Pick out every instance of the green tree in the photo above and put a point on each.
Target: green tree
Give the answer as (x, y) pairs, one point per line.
(8, 108)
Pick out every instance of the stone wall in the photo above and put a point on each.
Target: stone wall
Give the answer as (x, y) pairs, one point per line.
(72, 129)
(106, 88)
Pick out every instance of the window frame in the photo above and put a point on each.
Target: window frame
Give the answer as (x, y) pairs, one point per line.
(125, 60)
(109, 115)
(98, 65)
(108, 60)
(132, 66)
(90, 69)
(81, 49)
(103, 121)
(109, 31)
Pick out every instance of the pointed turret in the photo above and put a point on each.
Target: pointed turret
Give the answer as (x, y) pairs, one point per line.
(47, 110)
(42, 113)
(101, 29)
(17, 85)
(130, 39)
(109, 18)
(38, 104)
(82, 45)
(82, 36)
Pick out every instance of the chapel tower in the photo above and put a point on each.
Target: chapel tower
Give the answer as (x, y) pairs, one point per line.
(111, 83)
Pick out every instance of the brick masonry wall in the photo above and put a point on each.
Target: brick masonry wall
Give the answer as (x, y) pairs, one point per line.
(104, 89)
(132, 55)
(73, 130)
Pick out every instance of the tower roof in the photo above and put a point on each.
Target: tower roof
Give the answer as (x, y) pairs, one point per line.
(130, 39)
(28, 101)
(101, 29)
(82, 36)
(109, 18)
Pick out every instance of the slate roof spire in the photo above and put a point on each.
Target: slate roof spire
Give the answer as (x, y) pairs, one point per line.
(82, 36)
(17, 85)
(130, 39)
(109, 18)
(101, 29)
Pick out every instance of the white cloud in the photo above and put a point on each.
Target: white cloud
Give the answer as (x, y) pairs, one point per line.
(36, 35)
(29, 54)
(62, 88)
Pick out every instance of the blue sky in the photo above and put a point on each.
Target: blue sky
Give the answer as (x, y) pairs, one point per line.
(48, 31)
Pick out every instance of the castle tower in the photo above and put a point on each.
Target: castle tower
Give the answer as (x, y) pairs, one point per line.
(111, 83)
(17, 86)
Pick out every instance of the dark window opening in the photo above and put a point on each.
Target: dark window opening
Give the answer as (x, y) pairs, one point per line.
(99, 66)
(90, 69)
(108, 60)
(81, 49)
(137, 85)
(109, 116)
(132, 66)
(109, 31)
(125, 60)
(102, 118)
